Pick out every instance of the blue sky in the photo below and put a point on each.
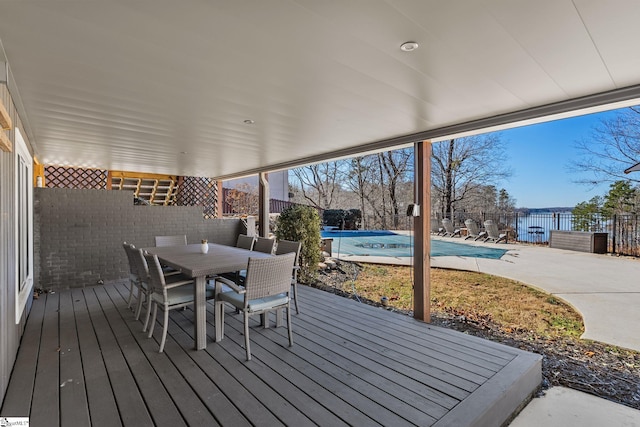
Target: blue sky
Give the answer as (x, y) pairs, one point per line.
(539, 156)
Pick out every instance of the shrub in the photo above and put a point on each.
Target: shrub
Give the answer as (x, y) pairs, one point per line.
(302, 224)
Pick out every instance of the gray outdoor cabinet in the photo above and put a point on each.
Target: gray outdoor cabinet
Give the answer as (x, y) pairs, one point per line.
(583, 241)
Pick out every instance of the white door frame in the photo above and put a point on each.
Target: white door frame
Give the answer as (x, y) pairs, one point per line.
(24, 224)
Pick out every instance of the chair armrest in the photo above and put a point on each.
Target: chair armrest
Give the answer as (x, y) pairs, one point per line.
(231, 284)
(178, 283)
(171, 273)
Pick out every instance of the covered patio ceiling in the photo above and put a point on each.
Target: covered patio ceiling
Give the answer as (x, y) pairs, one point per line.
(166, 86)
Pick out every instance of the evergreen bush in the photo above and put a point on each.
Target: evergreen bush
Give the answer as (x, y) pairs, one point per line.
(301, 223)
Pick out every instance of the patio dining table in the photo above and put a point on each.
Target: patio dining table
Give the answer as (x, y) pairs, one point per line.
(190, 260)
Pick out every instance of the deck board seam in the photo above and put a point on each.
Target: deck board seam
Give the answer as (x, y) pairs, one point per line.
(18, 397)
(94, 367)
(285, 357)
(382, 400)
(227, 361)
(130, 402)
(441, 361)
(401, 368)
(159, 364)
(399, 338)
(410, 324)
(152, 389)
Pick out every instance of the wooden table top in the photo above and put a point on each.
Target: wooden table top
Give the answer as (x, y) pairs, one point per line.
(192, 262)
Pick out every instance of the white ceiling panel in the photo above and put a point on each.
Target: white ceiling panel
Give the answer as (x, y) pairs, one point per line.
(165, 85)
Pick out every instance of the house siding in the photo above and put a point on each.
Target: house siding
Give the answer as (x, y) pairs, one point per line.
(79, 233)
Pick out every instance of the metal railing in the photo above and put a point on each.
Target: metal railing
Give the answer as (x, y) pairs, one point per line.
(623, 230)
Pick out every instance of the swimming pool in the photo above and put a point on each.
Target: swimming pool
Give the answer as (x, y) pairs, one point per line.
(389, 244)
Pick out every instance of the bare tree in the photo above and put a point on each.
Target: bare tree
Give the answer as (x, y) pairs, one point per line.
(396, 165)
(363, 176)
(377, 184)
(461, 166)
(319, 183)
(479, 202)
(357, 178)
(613, 146)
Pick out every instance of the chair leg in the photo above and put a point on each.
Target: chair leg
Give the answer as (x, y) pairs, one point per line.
(289, 325)
(130, 294)
(164, 330)
(246, 335)
(146, 318)
(219, 320)
(139, 303)
(153, 319)
(295, 296)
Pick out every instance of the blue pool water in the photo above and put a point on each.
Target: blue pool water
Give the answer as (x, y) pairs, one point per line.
(389, 244)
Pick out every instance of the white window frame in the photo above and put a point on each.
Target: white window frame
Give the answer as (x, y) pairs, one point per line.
(24, 224)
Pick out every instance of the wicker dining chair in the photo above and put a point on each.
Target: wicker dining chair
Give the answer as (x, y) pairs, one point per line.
(285, 247)
(249, 243)
(177, 240)
(267, 287)
(168, 295)
(245, 242)
(135, 280)
(263, 244)
(144, 289)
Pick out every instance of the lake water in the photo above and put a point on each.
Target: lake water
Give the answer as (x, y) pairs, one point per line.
(534, 228)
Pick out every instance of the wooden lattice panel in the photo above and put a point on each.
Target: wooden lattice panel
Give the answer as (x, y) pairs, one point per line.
(154, 189)
(199, 191)
(66, 177)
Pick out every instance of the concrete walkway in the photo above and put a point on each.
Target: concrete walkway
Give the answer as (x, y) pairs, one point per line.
(563, 407)
(604, 289)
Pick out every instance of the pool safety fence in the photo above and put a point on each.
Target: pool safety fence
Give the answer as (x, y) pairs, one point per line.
(623, 235)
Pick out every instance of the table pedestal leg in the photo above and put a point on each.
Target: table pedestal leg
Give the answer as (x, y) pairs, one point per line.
(200, 308)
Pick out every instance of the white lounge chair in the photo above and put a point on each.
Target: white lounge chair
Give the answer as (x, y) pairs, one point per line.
(449, 230)
(493, 234)
(473, 232)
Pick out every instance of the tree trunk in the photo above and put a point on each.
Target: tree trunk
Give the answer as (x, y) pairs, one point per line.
(448, 190)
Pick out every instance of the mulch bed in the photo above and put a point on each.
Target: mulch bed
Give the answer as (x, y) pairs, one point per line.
(599, 369)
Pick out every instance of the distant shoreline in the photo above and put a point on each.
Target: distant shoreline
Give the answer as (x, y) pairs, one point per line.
(545, 210)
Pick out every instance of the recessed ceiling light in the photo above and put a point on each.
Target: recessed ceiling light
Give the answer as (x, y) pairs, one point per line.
(409, 46)
(249, 122)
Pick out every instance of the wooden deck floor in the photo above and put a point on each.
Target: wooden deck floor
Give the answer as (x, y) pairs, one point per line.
(84, 360)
